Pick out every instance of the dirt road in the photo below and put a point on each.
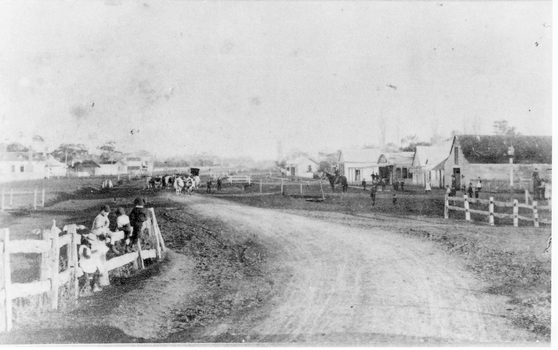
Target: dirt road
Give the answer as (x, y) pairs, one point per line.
(349, 285)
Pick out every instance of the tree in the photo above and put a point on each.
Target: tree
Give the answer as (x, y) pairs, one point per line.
(16, 147)
(281, 163)
(109, 153)
(502, 127)
(70, 152)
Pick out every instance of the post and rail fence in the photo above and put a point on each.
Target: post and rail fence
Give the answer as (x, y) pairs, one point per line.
(515, 205)
(51, 278)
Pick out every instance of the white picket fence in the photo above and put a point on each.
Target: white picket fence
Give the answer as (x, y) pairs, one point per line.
(51, 279)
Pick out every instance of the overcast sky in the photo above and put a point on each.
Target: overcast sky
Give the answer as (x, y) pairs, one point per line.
(233, 78)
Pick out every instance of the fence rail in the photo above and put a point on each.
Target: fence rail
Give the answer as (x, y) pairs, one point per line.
(50, 276)
(515, 205)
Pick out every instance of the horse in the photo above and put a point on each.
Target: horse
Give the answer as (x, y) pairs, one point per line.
(337, 179)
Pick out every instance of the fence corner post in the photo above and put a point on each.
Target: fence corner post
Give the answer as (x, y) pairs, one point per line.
(515, 213)
(535, 214)
(491, 211)
(466, 205)
(6, 281)
(446, 207)
(73, 260)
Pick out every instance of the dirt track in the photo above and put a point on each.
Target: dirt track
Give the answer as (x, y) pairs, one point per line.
(351, 285)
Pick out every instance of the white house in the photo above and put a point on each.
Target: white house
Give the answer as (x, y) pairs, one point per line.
(302, 167)
(359, 164)
(22, 166)
(428, 164)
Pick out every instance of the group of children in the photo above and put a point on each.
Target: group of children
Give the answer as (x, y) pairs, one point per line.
(100, 239)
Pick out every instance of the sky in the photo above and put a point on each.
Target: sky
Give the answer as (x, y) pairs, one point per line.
(234, 78)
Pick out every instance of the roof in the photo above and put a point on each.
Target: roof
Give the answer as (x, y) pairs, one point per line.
(493, 149)
(430, 156)
(401, 158)
(301, 160)
(369, 155)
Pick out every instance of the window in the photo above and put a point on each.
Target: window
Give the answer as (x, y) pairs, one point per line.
(405, 173)
(456, 155)
(309, 168)
(22, 169)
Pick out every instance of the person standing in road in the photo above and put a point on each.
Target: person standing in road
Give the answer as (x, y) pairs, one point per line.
(470, 190)
(364, 184)
(219, 184)
(373, 190)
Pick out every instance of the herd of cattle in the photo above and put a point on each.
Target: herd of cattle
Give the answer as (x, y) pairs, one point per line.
(179, 182)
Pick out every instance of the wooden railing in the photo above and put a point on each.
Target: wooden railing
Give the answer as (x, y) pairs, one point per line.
(515, 205)
(51, 279)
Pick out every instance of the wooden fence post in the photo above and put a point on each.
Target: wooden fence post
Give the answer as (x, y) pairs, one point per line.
(535, 214)
(466, 205)
(73, 261)
(158, 231)
(141, 265)
(526, 196)
(11, 197)
(35, 200)
(515, 213)
(55, 261)
(153, 232)
(43, 201)
(5, 281)
(491, 211)
(282, 187)
(446, 206)
(301, 188)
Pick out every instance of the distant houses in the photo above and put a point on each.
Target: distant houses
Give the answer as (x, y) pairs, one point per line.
(29, 166)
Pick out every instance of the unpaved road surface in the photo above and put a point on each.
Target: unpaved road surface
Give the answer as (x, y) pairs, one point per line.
(348, 285)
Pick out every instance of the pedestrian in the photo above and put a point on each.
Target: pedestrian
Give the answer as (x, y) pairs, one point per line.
(394, 198)
(402, 185)
(470, 190)
(219, 184)
(542, 189)
(536, 183)
(208, 190)
(364, 184)
(396, 185)
(138, 217)
(428, 187)
(373, 190)
(479, 187)
(123, 224)
(449, 191)
(383, 183)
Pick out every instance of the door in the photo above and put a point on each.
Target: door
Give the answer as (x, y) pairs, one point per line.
(457, 175)
(357, 175)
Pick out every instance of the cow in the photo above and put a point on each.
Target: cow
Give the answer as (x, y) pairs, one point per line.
(156, 182)
(178, 185)
(190, 185)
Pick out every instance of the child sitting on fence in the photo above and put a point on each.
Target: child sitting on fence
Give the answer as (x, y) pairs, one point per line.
(123, 224)
(90, 263)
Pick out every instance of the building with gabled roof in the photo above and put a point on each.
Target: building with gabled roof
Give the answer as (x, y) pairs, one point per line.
(359, 164)
(488, 157)
(302, 167)
(428, 164)
(395, 166)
